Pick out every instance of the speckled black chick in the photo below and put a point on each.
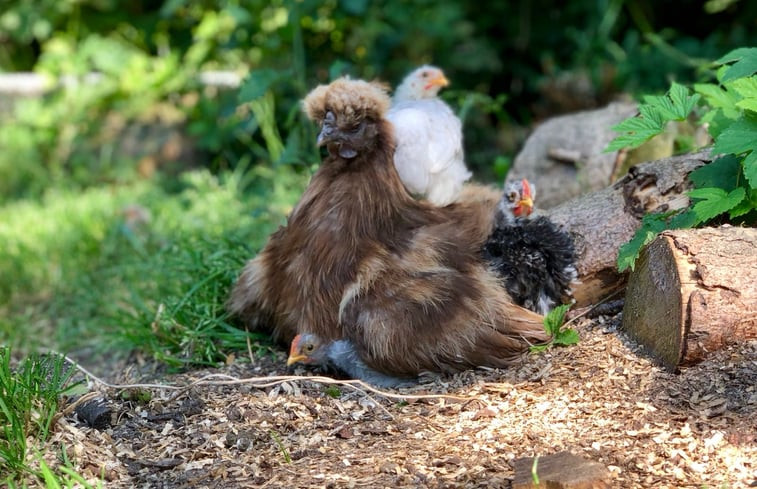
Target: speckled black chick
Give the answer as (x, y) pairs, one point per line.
(534, 257)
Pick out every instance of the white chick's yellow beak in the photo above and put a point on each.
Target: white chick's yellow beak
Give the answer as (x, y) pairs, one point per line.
(440, 81)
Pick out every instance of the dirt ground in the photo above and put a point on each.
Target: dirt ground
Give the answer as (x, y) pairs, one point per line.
(602, 399)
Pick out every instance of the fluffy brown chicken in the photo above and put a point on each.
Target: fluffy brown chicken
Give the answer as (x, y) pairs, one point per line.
(360, 259)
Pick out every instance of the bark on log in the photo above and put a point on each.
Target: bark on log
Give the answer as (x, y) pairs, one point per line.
(693, 292)
(601, 221)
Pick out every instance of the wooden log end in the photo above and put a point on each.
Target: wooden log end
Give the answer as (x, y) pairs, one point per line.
(693, 292)
(563, 470)
(652, 314)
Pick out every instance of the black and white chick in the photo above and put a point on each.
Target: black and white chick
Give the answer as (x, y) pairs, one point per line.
(534, 257)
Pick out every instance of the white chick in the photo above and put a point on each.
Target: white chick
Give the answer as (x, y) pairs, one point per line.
(429, 156)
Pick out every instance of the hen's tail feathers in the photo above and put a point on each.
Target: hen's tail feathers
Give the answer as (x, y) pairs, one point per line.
(526, 325)
(249, 304)
(507, 344)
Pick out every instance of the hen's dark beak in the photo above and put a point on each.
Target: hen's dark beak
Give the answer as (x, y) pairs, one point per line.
(328, 127)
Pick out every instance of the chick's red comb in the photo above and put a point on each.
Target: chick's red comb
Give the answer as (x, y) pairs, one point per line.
(526, 188)
(295, 345)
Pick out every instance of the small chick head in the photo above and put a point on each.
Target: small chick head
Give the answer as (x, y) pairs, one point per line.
(423, 82)
(308, 349)
(525, 205)
(518, 199)
(351, 99)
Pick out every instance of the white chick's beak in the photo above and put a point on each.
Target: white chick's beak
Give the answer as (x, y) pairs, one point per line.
(440, 81)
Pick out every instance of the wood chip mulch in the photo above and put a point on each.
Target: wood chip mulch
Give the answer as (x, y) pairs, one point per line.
(602, 399)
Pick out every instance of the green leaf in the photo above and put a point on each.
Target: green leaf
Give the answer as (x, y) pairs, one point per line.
(629, 252)
(723, 173)
(257, 84)
(651, 224)
(674, 105)
(567, 336)
(553, 325)
(715, 201)
(748, 104)
(739, 137)
(719, 121)
(631, 140)
(719, 98)
(653, 115)
(685, 219)
(746, 64)
(746, 87)
(555, 318)
(733, 55)
(750, 169)
(745, 206)
(677, 103)
(637, 129)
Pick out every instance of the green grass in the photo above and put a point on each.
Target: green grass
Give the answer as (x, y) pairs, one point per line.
(144, 266)
(137, 266)
(29, 396)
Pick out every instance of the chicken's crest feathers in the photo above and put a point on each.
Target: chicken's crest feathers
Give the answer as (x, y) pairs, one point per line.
(352, 98)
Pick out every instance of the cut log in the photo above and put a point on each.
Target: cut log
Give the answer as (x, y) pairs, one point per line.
(692, 292)
(602, 221)
(562, 470)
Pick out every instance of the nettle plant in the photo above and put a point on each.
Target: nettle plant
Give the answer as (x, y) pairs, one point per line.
(724, 189)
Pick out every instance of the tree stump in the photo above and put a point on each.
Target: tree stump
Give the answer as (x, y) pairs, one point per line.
(562, 470)
(693, 292)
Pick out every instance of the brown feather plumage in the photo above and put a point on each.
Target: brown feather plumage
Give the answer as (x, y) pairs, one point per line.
(359, 258)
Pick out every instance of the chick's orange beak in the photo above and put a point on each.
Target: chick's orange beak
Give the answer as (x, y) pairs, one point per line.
(295, 358)
(440, 80)
(294, 352)
(526, 203)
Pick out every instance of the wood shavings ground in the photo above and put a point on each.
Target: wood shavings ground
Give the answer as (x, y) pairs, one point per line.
(602, 399)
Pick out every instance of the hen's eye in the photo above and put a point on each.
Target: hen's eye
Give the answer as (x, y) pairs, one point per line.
(309, 348)
(512, 196)
(424, 74)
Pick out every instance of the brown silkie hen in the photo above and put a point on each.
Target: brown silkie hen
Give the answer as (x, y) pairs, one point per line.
(361, 260)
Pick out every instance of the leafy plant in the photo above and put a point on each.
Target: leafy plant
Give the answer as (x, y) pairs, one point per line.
(725, 188)
(654, 113)
(28, 403)
(553, 325)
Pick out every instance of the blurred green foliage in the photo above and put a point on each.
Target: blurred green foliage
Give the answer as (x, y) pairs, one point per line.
(511, 63)
(128, 129)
